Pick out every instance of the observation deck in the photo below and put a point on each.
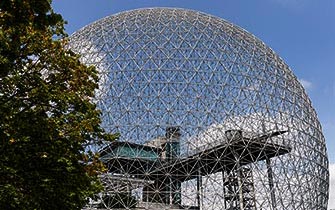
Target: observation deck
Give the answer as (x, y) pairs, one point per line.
(144, 162)
(160, 171)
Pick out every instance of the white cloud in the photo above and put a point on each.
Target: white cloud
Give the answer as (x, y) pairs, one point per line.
(306, 84)
(328, 128)
(331, 201)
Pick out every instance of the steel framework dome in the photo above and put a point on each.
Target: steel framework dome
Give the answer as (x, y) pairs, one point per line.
(209, 117)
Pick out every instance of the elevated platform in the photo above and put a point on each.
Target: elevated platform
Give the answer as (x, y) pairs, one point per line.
(219, 158)
(160, 171)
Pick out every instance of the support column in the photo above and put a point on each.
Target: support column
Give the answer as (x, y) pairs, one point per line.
(240, 184)
(199, 190)
(272, 189)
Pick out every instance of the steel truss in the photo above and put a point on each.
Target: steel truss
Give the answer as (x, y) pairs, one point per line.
(209, 116)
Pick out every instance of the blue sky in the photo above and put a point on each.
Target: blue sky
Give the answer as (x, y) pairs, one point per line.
(302, 32)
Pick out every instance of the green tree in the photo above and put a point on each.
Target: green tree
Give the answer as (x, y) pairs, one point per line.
(46, 112)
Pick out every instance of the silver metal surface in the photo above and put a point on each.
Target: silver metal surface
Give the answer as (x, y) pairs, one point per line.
(234, 103)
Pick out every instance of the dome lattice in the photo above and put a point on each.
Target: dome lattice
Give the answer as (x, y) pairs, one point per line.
(209, 117)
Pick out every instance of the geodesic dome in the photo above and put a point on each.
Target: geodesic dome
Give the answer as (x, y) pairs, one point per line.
(209, 117)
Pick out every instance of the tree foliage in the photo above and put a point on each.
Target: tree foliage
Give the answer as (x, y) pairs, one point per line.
(46, 112)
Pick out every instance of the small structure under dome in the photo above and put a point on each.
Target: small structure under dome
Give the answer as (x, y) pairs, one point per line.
(209, 116)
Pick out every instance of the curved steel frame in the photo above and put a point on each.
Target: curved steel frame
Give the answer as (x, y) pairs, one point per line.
(209, 116)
